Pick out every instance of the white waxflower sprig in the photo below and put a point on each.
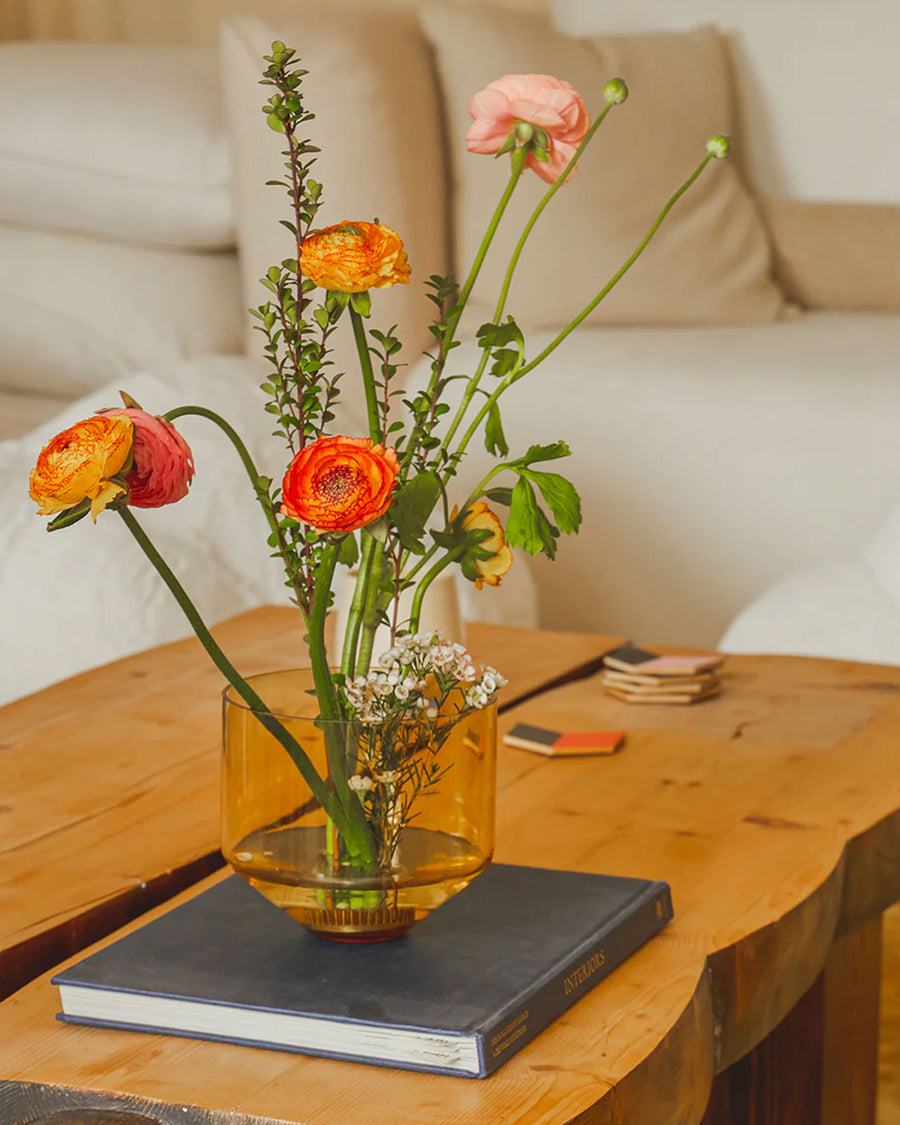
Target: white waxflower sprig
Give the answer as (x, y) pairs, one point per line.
(416, 675)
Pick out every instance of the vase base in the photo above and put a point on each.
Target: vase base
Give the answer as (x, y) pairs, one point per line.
(377, 924)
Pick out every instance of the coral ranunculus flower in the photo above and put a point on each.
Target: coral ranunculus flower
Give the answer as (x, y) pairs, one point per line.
(79, 464)
(354, 257)
(548, 103)
(479, 517)
(162, 467)
(339, 483)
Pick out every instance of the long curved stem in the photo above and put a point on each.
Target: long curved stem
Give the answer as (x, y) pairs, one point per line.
(252, 473)
(585, 312)
(426, 580)
(317, 786)
(229, 431)
(472, 386)
(517, 162)
(518, 165)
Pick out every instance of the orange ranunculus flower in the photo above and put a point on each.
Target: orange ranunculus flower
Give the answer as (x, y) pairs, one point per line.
(80, 464)
(479, 517)
(339, 483)
(354, 257)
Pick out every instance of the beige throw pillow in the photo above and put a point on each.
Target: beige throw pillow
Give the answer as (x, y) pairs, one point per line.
(837, 255)
(378, 125)
(709, 263)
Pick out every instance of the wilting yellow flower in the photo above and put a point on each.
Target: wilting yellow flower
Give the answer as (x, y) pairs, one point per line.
(479, 517)
(354, 257)
(78, 465)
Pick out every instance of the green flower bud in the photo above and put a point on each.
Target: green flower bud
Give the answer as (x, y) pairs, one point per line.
(719, 146)
(524, 131)
(615, 91)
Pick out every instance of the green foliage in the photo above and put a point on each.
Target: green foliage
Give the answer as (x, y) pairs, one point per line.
(528, 526)
(494, 439)
(349, 551)
(413, 503)
(69, 516)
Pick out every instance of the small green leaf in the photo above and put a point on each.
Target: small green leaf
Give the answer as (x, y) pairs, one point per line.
(498, 335)
(335, 303)
(348, 552)
(275, 123)
(69, 516)
(500, 495)
(551, 452)
(413, 503)
(505, 361)
(528, 526)
(562, 499)
(494, 439)
(361, 303)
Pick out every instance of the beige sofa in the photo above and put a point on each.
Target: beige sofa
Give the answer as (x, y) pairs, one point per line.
(712, 458)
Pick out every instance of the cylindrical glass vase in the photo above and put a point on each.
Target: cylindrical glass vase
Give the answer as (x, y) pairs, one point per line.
(427, 788)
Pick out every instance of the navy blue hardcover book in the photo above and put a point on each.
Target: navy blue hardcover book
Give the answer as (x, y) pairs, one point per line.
(460, 994)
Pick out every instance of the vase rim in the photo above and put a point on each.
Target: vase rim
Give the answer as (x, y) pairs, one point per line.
(230, 698)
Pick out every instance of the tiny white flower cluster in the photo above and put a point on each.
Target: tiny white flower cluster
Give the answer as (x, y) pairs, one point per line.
(479, 694)
(398, 685)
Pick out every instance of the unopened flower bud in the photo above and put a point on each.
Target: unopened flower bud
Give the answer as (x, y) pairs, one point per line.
(524, 131)
(615, 91)
(718, 146)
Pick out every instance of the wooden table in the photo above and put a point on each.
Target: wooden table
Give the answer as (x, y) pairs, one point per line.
(772, 811)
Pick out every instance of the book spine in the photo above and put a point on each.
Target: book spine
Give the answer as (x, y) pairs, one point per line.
(586, 968)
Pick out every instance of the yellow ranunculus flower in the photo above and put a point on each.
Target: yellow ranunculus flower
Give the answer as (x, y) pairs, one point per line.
(479, 517)
(354, 257)
(78, 465)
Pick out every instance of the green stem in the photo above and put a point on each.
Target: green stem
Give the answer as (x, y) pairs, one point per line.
(368, 375)
(472, 386)
(371, 613)
(538, 211)
(513, 377)
(261, 495)
(518, 164)
(357, 606)
(232, 435)
(426, 580)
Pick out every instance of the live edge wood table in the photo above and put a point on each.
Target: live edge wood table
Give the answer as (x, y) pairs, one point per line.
(772, 811)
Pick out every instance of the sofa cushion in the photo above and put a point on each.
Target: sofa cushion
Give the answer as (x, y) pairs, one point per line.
(709, 263)
(75, 312)
(20, 412)
(817, 86)
(836, 255)
(835, 609)
(378, 125)
(124, 142)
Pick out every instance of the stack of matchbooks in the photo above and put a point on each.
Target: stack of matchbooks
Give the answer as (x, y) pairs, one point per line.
(635, 675)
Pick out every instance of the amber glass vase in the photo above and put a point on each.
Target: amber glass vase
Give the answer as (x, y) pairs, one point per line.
(431, 817)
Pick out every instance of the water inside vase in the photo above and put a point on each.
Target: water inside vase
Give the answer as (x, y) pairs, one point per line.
(293, 868)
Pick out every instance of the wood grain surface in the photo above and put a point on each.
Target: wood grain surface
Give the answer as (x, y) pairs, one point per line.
(772, 811)
(110, 780)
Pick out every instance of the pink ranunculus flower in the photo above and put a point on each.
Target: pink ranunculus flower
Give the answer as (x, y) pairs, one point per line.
(162, 467)
(549, 103)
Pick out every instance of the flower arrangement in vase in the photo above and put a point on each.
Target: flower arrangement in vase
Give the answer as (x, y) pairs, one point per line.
(359, 794)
